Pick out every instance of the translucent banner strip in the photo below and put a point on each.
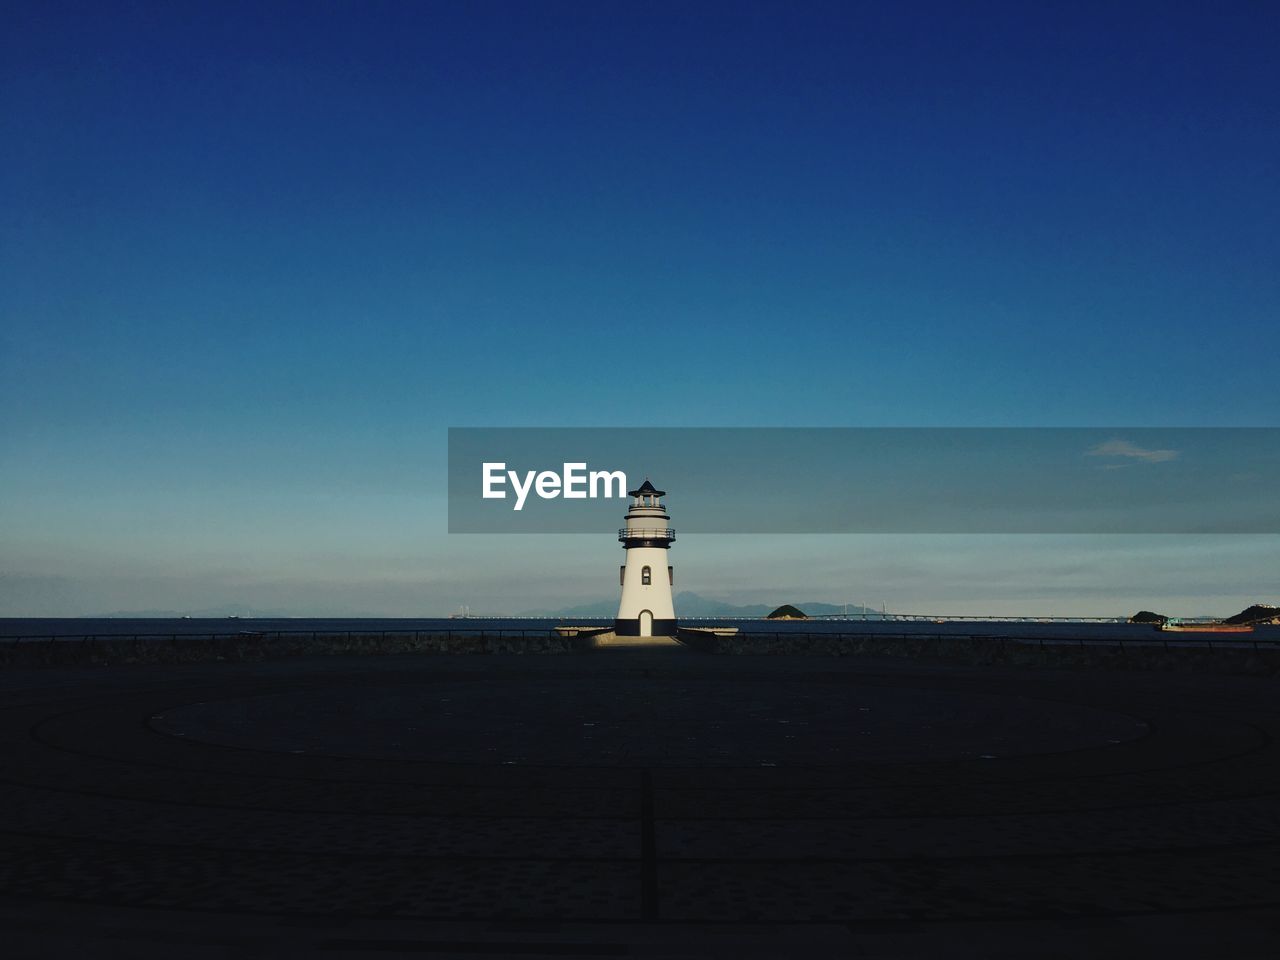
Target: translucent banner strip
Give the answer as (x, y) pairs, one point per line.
(869, 480)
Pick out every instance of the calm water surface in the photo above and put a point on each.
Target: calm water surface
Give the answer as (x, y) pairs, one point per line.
(12, 628)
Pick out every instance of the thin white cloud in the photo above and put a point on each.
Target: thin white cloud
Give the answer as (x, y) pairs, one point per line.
(1131, 451)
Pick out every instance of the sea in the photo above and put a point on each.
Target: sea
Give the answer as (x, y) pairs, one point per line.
(1059, 631)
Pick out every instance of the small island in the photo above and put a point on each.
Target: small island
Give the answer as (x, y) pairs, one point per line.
(1258, 613)
(1146, 616)
(787, 612)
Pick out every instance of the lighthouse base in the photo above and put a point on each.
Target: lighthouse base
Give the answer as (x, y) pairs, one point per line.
(631, 628)
(611, 641)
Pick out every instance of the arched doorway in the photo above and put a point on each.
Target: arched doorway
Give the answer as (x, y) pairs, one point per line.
(646, 623)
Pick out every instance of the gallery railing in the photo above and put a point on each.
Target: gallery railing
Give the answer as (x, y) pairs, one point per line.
(647, 533)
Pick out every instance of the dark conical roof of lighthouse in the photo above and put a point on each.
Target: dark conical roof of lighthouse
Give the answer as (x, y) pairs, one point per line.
(646, 489)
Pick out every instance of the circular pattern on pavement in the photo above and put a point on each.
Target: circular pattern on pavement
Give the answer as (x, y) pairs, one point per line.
(698, 722)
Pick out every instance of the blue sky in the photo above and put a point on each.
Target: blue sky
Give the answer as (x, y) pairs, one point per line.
(256, 259)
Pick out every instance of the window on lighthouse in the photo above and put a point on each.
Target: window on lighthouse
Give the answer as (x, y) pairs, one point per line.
(646, 576)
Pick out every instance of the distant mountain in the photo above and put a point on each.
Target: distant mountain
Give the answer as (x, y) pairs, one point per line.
(211, 613)
(588, 611)
(689, 604)
(693, 605)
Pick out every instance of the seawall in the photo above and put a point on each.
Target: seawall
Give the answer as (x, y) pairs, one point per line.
(1260, 658)
(1257, 658)
(115, 650)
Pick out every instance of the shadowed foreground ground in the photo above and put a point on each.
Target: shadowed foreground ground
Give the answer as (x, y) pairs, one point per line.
(636, 803)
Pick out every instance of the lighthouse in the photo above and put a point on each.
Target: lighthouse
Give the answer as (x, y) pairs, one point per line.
(647, 577)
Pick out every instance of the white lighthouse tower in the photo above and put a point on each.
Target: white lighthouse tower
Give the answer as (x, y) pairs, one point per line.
(646, 609)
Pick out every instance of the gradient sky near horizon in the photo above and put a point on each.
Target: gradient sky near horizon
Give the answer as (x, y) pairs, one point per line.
(255, 259)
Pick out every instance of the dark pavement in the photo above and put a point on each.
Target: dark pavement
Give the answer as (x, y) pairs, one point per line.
(636, 803)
